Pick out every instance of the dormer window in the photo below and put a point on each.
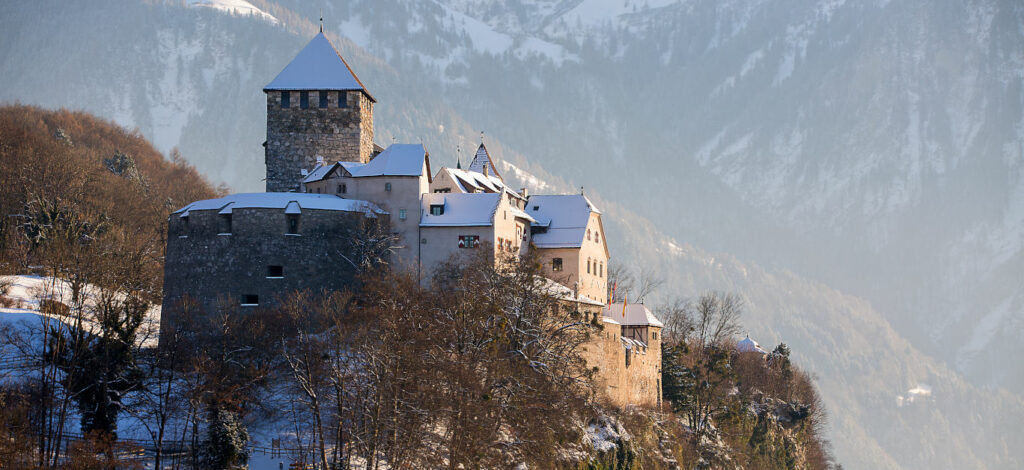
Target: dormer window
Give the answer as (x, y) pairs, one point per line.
(225, 223)
(286, 99)
(437, 209)
(293, 224)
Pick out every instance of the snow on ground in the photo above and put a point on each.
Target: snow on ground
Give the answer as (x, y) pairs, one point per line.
(25, 294)
(234, 7)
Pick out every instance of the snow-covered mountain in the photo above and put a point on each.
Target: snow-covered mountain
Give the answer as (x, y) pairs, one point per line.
(860, 162)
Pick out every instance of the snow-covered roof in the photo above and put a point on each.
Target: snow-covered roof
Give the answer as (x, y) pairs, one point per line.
(749, 345)
(565, 217)
(396, 160)
(482, 161)
(634, 344)
(517, 212)
(635, 315)
(610, 321)
(471, 181)
(318, 66)
(294, 202)
(460, 210)
(564, 293)
(319, 172)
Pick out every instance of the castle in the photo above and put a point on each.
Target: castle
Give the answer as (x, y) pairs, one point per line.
(326, 178)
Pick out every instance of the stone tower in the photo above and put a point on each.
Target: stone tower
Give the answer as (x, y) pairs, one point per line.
(316, 107)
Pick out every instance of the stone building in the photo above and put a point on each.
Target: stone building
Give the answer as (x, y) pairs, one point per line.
(327, 181)
(316, 107)
(247, 250)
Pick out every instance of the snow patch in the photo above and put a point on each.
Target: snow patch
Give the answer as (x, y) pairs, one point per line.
(234, 7)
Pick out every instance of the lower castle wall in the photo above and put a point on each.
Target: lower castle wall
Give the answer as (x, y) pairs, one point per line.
(638, 384)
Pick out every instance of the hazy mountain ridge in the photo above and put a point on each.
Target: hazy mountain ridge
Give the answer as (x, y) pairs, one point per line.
(224, 61)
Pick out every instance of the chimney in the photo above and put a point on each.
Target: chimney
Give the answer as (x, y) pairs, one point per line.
(523, 192)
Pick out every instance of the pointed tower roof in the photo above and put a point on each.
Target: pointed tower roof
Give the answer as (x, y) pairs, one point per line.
(318, 67)
(483, 160)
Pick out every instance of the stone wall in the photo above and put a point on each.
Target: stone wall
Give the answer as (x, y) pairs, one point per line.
(296, 136)
(637, 384)
(212, 266)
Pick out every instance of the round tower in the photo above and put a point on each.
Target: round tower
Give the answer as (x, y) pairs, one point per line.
(316, 107)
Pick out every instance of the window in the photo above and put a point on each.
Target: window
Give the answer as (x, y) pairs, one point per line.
(588, 265)
(443, 190)
(342, 188)
(286, 99)
(597, 237)
(627, 357)
(536, 208)
(504, 215)
(293, 224)
(556, 264)
(654, 335)
(304, 99)
(387, 187)
(250, 300)
(342, 99)
(437, 209)
(469, 241)
(275, 271)
(588, 234)
(318, 190)
(225, 223)
(401, 214)
(323, 99)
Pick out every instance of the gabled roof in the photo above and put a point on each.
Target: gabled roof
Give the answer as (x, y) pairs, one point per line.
(561, 292)
(483, 160)
(635, 315)
(318, 66)
(565, 216)
(286, 201)
(460, 210)
(749, 345)
(471, 180)
(397, 160)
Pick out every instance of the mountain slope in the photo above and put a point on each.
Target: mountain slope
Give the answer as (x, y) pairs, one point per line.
(623, 104)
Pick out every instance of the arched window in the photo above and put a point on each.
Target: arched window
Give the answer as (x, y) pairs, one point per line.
(600, 270)
(588, 234)
(588, 265)
(597, 237)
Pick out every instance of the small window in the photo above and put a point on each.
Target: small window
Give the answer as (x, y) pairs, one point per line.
(323, 99)
(504, 215)
(437, 209)
(588, 234)
(225, 223)
(556, 264)
(387, 187)
(627, 357)
(443, 190)
(304, 99)
(286, 99)
(469, 241)
(588, 265)
(600, 270)
(536, 208)
(342, 188)
(318, 190)
(250, 300)
(654, 335)
(293, 224)
(275, 271)
(401, 214)
(342, 99)
(597, 237)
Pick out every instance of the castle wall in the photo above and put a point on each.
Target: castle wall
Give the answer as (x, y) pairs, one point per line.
(637, 384)
(296, 136)
(211, 266)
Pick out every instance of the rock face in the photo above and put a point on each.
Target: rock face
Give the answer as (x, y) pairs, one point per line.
(299, 130)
